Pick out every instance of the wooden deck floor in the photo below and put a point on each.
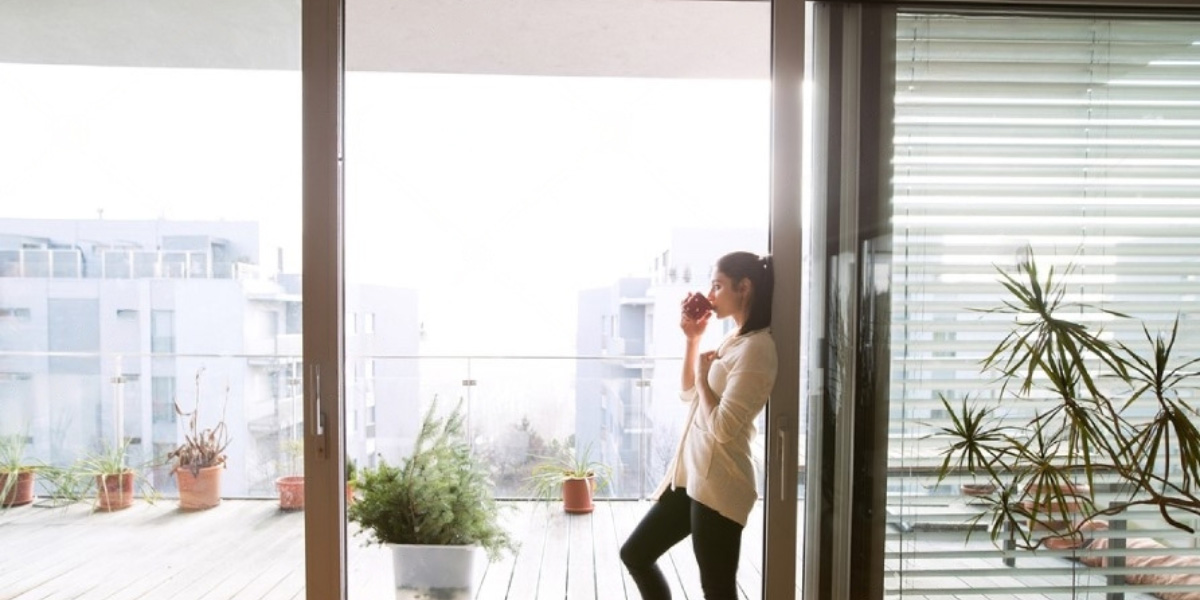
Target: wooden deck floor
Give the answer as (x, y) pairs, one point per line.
(250, 550)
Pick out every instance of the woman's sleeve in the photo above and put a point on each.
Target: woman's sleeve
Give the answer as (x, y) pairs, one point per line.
(747, 387)
(687, 396)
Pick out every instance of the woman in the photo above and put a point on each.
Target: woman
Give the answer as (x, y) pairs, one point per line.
(709, 488)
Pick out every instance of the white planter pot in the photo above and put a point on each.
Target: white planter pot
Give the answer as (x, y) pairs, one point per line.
(443, 568)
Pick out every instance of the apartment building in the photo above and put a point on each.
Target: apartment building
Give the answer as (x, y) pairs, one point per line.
(106, 326)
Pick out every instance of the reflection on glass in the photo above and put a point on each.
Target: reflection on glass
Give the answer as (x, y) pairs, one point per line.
(1074, 137)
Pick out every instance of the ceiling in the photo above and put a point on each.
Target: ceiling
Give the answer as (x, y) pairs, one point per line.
(620, 38)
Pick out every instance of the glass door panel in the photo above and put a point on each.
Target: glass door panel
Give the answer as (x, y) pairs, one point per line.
(1070, 141)
(520, 228)
(149, 269)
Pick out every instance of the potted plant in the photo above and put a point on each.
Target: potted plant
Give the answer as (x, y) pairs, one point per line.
(291, 486)
(1045, 469)
(573, 476)
(16, 476)
(64, 485)
(199, 459)
(434, 510)
(116, 482)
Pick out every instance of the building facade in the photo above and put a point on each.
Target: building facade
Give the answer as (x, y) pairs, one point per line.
(115, 330)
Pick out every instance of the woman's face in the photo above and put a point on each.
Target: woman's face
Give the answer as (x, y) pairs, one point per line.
(728, 298)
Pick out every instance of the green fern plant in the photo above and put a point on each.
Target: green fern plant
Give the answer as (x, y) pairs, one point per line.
(1087, 432)
(440, 495)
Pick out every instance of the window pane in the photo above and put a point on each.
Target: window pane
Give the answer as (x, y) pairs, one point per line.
(515, 218)
(1077, 139)
(147, 147)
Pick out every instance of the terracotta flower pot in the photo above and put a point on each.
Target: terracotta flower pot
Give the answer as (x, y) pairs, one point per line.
(1050, 514)
(977, 490)
(291, 492)
(201, 491)
(114, 492)
(20, 493)
(577, 495)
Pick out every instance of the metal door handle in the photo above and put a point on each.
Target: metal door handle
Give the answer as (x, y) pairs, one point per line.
(782, 464)
(316, 418)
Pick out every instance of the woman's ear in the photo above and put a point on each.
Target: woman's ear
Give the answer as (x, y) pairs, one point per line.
(744, 286)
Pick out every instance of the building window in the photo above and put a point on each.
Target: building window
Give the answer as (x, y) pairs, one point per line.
(16, 314)
(162, 392)
(162, 331)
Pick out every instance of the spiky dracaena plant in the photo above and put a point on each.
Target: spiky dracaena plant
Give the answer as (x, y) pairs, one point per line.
(1086, 429)
(439, 495)
(201, 448)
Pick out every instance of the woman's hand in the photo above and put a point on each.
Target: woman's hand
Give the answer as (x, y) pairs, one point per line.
(692, 328)
(704, 363)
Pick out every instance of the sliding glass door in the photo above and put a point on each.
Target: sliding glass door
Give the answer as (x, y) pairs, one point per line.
(953, 145)
(1072, 141)
(522, 216)
(150, 239)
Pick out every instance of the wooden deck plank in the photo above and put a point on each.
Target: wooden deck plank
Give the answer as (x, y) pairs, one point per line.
(499, 575)
(23, 571)
(625, 516)
(368, 568)
(528, 563)
(281, 546)
(219, 545)
(43, 572)
(581, 559)
(552, 580)
(610, 574)
(74, 579)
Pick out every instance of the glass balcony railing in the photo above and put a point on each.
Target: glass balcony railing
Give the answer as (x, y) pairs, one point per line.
(620, 411)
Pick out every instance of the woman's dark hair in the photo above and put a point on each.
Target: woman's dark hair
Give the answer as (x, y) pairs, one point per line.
(760, 270)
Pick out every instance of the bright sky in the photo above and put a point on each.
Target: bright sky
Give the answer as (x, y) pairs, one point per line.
(521, 189)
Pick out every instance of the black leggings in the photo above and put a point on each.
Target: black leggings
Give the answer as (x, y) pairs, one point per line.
(716, 541)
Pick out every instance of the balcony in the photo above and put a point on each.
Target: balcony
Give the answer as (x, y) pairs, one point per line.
(248, 548)
(251, 549)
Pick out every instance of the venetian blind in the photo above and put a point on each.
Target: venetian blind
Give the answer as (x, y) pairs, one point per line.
(1076, 137)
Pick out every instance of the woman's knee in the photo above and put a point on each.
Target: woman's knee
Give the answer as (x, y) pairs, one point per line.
(633, 557)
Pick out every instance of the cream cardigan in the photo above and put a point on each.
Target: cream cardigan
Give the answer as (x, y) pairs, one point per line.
(715, 466)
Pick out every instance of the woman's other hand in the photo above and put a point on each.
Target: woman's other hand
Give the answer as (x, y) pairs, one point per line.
(705, 361)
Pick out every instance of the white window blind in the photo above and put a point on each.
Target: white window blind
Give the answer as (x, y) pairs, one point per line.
(1079, 137)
